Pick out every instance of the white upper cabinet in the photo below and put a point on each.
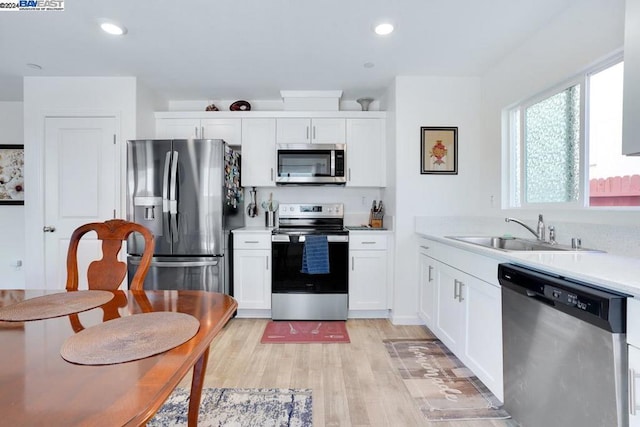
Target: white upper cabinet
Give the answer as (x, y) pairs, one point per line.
(315, 131)
(366, 153)
(177, 128)
(631, 103)
(258, 153)
(228, 129)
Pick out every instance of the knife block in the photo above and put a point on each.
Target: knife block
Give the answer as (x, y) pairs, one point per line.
(375, 219)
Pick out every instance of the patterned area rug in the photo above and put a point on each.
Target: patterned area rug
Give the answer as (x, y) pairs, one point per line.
(239, 408)
(441, 385)
(305, 332)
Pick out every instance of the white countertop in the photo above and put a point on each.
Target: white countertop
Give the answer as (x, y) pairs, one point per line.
(253, 229)
(610, 271)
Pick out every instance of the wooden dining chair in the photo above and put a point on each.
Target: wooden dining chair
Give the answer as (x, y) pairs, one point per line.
(109, 272)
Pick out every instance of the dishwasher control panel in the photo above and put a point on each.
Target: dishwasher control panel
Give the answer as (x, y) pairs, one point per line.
(589, 302)
(572, 299)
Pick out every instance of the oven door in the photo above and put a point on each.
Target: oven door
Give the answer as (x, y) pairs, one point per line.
(286, 275)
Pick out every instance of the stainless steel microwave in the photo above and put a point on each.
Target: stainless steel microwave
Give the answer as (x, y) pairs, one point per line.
(310, 164)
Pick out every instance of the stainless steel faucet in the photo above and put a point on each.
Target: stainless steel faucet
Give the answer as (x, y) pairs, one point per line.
(539, 234)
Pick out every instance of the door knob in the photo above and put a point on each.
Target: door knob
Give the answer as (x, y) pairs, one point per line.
(48, 229)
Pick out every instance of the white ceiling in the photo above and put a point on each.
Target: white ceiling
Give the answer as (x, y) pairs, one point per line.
(252, 49)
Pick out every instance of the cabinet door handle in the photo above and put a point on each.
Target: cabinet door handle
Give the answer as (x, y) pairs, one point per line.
(307, 132)
(314, 133)
(271, 174)
(202, 132)
(424, 247)
(455, 288)
(266, 262)
(430, 270)
(633, 406)
(251, 241)
(353, 263)
(460, 285)
(196, 130)
(349, 174)
(368, 243)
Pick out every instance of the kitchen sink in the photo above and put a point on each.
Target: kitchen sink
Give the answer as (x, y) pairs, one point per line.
(514, 244)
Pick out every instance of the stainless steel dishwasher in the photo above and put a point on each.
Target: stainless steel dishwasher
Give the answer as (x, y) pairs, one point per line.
(564, 349)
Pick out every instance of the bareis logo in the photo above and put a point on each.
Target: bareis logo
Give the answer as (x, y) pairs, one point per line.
(39, 5)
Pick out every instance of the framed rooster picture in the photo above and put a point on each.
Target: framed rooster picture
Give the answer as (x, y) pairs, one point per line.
(439, 150)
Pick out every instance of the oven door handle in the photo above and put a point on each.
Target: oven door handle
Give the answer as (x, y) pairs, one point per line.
(285, 238)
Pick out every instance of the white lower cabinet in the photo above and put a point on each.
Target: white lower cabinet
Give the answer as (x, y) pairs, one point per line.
(252, 271)
(463, 311)
(483, 332)
(368, 271)
(426, 303)
(450, 310)
(633, 354)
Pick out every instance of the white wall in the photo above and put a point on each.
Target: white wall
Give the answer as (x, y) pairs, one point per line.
(432, 101)
(11, 217)
(64, 96)
(586, 33)
(357, 201)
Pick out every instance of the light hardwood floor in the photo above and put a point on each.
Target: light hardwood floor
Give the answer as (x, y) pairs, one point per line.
(353, 384)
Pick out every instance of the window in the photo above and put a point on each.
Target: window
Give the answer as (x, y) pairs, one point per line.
(553, 137)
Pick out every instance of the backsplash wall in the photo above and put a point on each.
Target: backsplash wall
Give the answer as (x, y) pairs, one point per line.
(357, 201)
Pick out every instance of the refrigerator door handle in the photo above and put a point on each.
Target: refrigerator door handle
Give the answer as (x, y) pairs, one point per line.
(174, 264)
(173, 219)
(173, 184)
(165, 182)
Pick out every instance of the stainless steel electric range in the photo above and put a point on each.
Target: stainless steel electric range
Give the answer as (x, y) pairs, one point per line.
(303, 296)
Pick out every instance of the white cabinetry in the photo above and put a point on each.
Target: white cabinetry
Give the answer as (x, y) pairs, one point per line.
(366, 153)
(252, 272)
(258, 152)
(467, 311)
(450, 310)
(368, 271)
(426, 273)
(631, 107)
(228, 129)
(316, 131)
(633, 353)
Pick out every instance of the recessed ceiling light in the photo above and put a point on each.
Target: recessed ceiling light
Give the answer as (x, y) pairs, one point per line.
(369, 65)
(34, 66)
(384, 29)
(113, 28)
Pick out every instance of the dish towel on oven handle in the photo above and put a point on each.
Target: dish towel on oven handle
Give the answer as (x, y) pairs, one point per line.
(315, 255)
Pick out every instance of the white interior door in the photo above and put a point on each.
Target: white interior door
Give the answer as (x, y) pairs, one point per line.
(81, 180)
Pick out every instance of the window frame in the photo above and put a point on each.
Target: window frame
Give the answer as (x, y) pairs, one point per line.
(513, 189)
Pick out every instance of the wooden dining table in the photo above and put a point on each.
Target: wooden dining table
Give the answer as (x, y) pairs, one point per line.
(39, 387)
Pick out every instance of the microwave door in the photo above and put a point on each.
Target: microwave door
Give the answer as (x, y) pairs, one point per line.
(298, 165)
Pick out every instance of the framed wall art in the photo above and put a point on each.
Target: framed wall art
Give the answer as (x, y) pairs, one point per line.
(12, 174)
(439, 150)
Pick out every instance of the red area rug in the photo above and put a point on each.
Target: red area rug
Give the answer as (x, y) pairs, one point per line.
(282, 331)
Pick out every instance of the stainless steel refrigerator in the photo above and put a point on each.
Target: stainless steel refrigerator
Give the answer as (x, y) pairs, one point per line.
(187, 192)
